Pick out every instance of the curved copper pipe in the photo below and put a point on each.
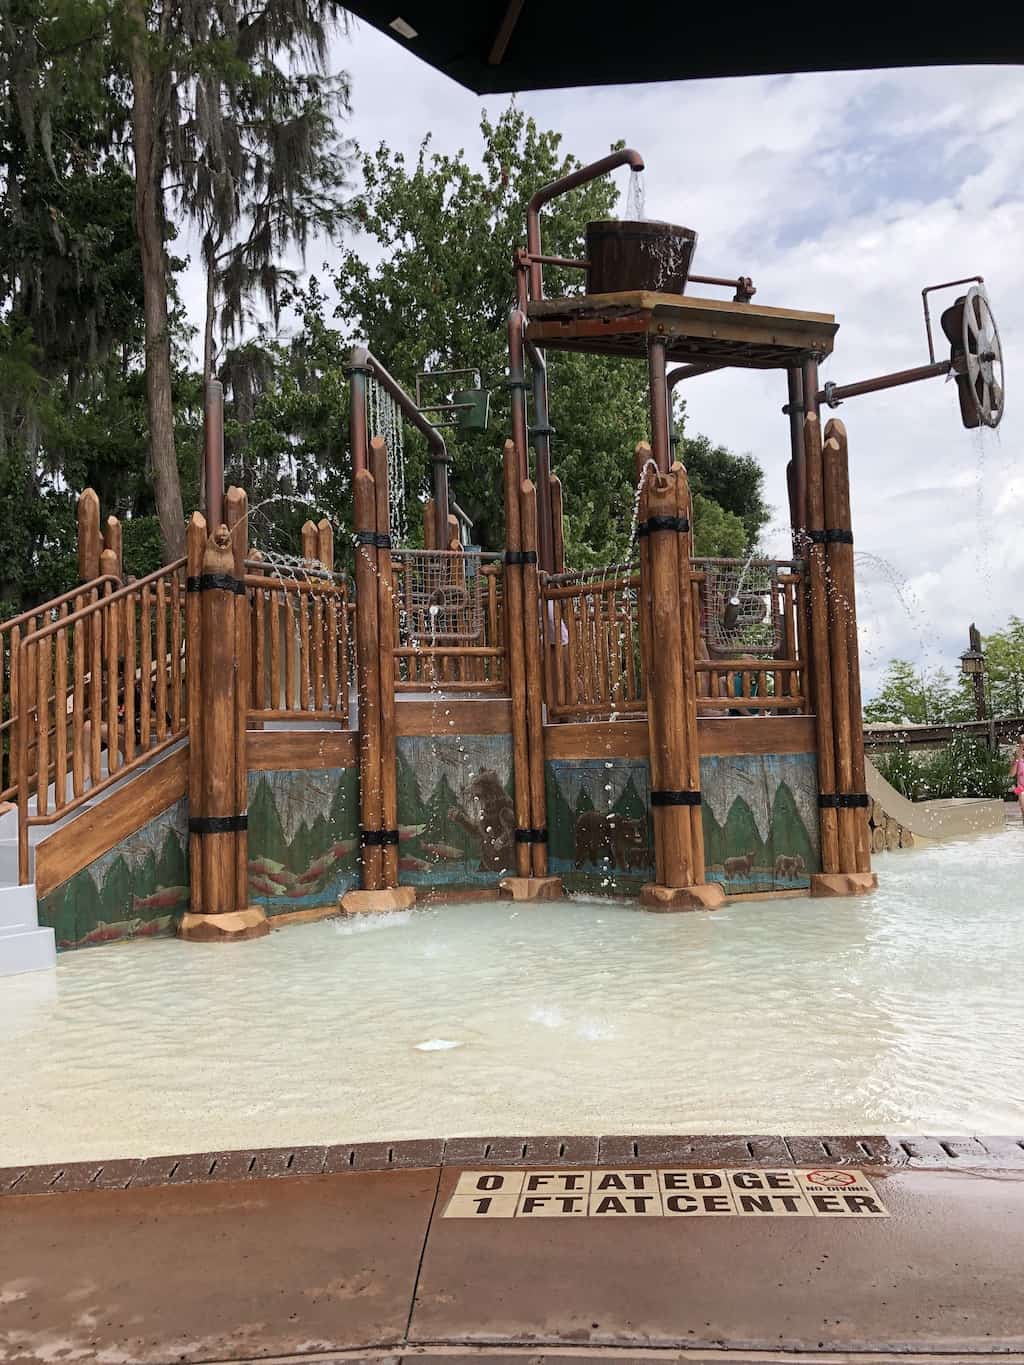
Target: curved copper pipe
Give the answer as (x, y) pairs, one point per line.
(626, 157)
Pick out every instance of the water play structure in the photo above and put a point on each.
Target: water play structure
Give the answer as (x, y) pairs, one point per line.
(243, 736)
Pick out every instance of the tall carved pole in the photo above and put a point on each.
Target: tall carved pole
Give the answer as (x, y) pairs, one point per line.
(671, 697)
(378, 834)
(217, 808)
(855, 875)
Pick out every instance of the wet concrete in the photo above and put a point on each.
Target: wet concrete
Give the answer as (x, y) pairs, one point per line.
(363, 1264)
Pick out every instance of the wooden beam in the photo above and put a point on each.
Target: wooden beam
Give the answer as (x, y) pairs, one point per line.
(730, 735)
(471, 717)
(295, 750)
(505, 30)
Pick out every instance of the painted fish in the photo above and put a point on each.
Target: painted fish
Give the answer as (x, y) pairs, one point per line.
(264, 886)
(266, 865)
(344, 847)
(154, 926)
(160, 900)
(410, 864)
(448, 852)
(406, 832)
(319, 869)
(109, 933)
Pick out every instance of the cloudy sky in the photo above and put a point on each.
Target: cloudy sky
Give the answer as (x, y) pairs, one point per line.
(843, 193)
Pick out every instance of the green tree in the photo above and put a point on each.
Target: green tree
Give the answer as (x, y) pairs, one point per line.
(172, 864)
(918, 698)
(1004, 658)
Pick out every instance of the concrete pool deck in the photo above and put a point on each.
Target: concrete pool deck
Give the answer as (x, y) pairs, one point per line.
(343, 1253)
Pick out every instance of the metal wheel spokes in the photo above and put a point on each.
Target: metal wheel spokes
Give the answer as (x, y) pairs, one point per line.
(983, 356)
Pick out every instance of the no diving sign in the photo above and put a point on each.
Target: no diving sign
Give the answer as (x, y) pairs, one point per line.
(664, 1193)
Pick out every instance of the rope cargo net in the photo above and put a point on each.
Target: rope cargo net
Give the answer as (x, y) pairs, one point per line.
(384, 419)
(439, 596)
(740, 607)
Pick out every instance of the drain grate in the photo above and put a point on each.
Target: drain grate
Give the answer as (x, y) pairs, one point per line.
(992, 1153)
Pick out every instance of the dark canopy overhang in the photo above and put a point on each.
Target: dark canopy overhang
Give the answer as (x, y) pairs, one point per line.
(495, 46)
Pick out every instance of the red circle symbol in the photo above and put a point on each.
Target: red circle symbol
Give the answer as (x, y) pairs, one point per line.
(833, 1180)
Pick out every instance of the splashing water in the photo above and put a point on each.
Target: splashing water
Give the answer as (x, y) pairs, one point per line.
(636, 193)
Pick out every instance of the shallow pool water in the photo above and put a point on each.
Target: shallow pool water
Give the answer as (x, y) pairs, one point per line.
(896, 1013)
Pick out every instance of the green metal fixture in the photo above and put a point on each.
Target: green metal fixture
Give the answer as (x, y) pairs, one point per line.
(470, 408)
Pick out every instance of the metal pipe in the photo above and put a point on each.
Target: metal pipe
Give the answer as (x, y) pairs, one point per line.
(673, 378)
(930, 289)
(517, 389)
(626, 157)
(541, 434)
(743, 285)
(833, 394)
(362, 359)
(213, 453)
(656, 350)
(798, 480)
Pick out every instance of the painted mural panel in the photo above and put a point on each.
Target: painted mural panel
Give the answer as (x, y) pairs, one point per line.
(760, 817)
(600, 837)
(136, 890)
(303, 837)
(455, 813)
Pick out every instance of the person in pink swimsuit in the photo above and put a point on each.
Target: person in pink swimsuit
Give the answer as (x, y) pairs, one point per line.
(1017, 774)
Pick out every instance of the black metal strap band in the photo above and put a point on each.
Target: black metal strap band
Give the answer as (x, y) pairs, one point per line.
(217, 824)
(678, 524)
(375, 538)
(541, 431)
(224, 581)
(516, 381)
(520, 556)
(668, 798)
(834, 536)
(531, 836)
(375, 838)
(843, 800)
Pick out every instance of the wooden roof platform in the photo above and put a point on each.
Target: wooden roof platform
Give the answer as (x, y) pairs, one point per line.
(701, 331)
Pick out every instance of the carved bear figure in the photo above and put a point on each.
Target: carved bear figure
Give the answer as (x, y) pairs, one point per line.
(496, 824)
(600, 836)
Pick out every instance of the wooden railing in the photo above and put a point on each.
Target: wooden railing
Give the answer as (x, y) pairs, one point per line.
(100, 692)
(11, 634)
(468, 653)
(592, 644)
(300, 647)
(758, 682)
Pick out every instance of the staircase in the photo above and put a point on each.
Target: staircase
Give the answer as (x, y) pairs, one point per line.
(24, 947)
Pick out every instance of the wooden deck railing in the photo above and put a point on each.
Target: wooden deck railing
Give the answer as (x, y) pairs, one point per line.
(11, 634)
(100, 692)
(592, 644)
(300, 647)
(460, 648)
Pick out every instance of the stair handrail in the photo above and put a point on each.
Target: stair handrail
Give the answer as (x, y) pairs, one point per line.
(109, 652)
(12, 628)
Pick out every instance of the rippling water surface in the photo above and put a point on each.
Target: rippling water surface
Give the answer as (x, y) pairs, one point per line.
(902, 1012)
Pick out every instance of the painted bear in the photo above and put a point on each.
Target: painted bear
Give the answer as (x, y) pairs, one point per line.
(600, 836)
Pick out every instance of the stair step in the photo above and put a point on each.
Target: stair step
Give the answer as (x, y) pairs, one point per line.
(17, 908)
(33, 950)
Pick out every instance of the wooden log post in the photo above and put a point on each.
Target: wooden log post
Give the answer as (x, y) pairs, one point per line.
(89, 540)
(516, 663)
(547, 886)
(310, 541)
(854, 871)
(217, 818)
(195, 549)
(376, 834)
(821, 672)
(236, 515)
(689, 630)
(112, 556)
(557, 524)
(430, 525)
(325, 544)
(674, 758)
(387, 628)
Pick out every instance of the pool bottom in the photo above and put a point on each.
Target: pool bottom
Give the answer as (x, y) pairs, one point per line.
(872, 1015)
